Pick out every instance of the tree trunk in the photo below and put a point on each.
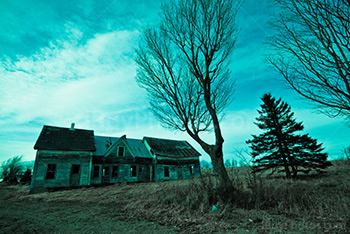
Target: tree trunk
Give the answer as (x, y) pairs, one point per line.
(288, 174)
(218, 165)
(295, 174)
(217, 157)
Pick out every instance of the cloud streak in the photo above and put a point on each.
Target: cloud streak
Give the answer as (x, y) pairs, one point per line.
(65, 77)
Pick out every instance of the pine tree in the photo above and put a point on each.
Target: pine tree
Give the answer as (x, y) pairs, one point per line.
(280, 146)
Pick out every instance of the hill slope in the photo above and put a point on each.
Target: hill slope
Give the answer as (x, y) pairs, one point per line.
(315, 203)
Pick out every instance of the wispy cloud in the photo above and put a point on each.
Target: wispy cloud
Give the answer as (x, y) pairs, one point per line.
(67, 78)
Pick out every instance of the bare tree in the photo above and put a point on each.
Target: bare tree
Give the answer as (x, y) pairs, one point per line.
(183, 65)
(205, 164)
(312, 51)
(346, 153)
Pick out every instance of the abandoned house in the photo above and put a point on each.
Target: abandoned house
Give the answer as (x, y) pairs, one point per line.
(68, 157)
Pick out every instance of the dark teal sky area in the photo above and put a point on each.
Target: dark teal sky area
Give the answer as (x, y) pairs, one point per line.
(72, 61)
(28, 26)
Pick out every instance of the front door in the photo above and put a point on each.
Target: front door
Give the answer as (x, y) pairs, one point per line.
(179, 173)
(152, 174)
(106, 175)
(75, 175)
(140, 174)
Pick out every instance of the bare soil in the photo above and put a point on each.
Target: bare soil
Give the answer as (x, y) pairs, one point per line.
(40, 216)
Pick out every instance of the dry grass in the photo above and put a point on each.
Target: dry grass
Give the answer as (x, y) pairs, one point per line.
(259, 204)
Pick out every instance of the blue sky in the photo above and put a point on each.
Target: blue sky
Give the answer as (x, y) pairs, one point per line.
(72, 61)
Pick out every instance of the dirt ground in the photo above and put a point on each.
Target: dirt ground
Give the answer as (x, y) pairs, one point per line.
(99, 210)
(38, 216)
(92, 210)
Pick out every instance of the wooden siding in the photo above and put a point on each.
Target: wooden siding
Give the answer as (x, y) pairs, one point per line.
(121, 160)
(64, 162)
(114, 151)
(124, 173)
(177, 169)
(177, 162)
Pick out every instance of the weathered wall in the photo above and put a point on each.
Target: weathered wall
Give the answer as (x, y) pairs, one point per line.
(64, 161)
(124, 165)
(178, 169)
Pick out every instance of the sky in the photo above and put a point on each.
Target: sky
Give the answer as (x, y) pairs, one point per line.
(64, 62)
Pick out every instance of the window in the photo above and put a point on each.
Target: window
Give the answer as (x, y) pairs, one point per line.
(121, 151)
(106, 171)
(191, 170)
(96, 172)
(51, 171)
(115, 171)
(166, 171)
(133, 171)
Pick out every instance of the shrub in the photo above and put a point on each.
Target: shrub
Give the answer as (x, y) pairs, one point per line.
(27, 176)
(300, 198)
(11, 170)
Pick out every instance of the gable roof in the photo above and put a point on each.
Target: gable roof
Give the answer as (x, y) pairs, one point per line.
(103, 143)
(171, 148)
(57, 138)
(136, 146)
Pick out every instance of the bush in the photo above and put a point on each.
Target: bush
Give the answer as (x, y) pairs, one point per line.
(11, 170)
(27, 176)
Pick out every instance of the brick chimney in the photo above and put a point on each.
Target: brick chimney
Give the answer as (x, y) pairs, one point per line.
(72, 126)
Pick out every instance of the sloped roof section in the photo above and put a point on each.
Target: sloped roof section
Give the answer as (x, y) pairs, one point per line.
(138, 148)
(171, 148)
(103, 143)
(57, 138)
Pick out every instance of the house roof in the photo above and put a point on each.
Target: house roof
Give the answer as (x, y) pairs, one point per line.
(103, 144)
(138, 148)
(171, 148)
(71, 139)
(57, 138)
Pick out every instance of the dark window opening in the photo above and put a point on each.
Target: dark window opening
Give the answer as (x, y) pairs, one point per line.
(106, 171)
(120, 151)
(75, 169)
(166, 171)
(140, 170)
(133, 171)
(51, 171)
(96, 172)
(115, 171)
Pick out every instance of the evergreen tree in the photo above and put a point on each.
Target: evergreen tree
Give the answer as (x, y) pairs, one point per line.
(280, 146)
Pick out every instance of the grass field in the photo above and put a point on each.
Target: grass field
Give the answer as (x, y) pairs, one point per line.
(258, 204)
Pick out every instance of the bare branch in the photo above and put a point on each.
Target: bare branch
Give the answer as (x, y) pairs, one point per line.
(312, 51)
